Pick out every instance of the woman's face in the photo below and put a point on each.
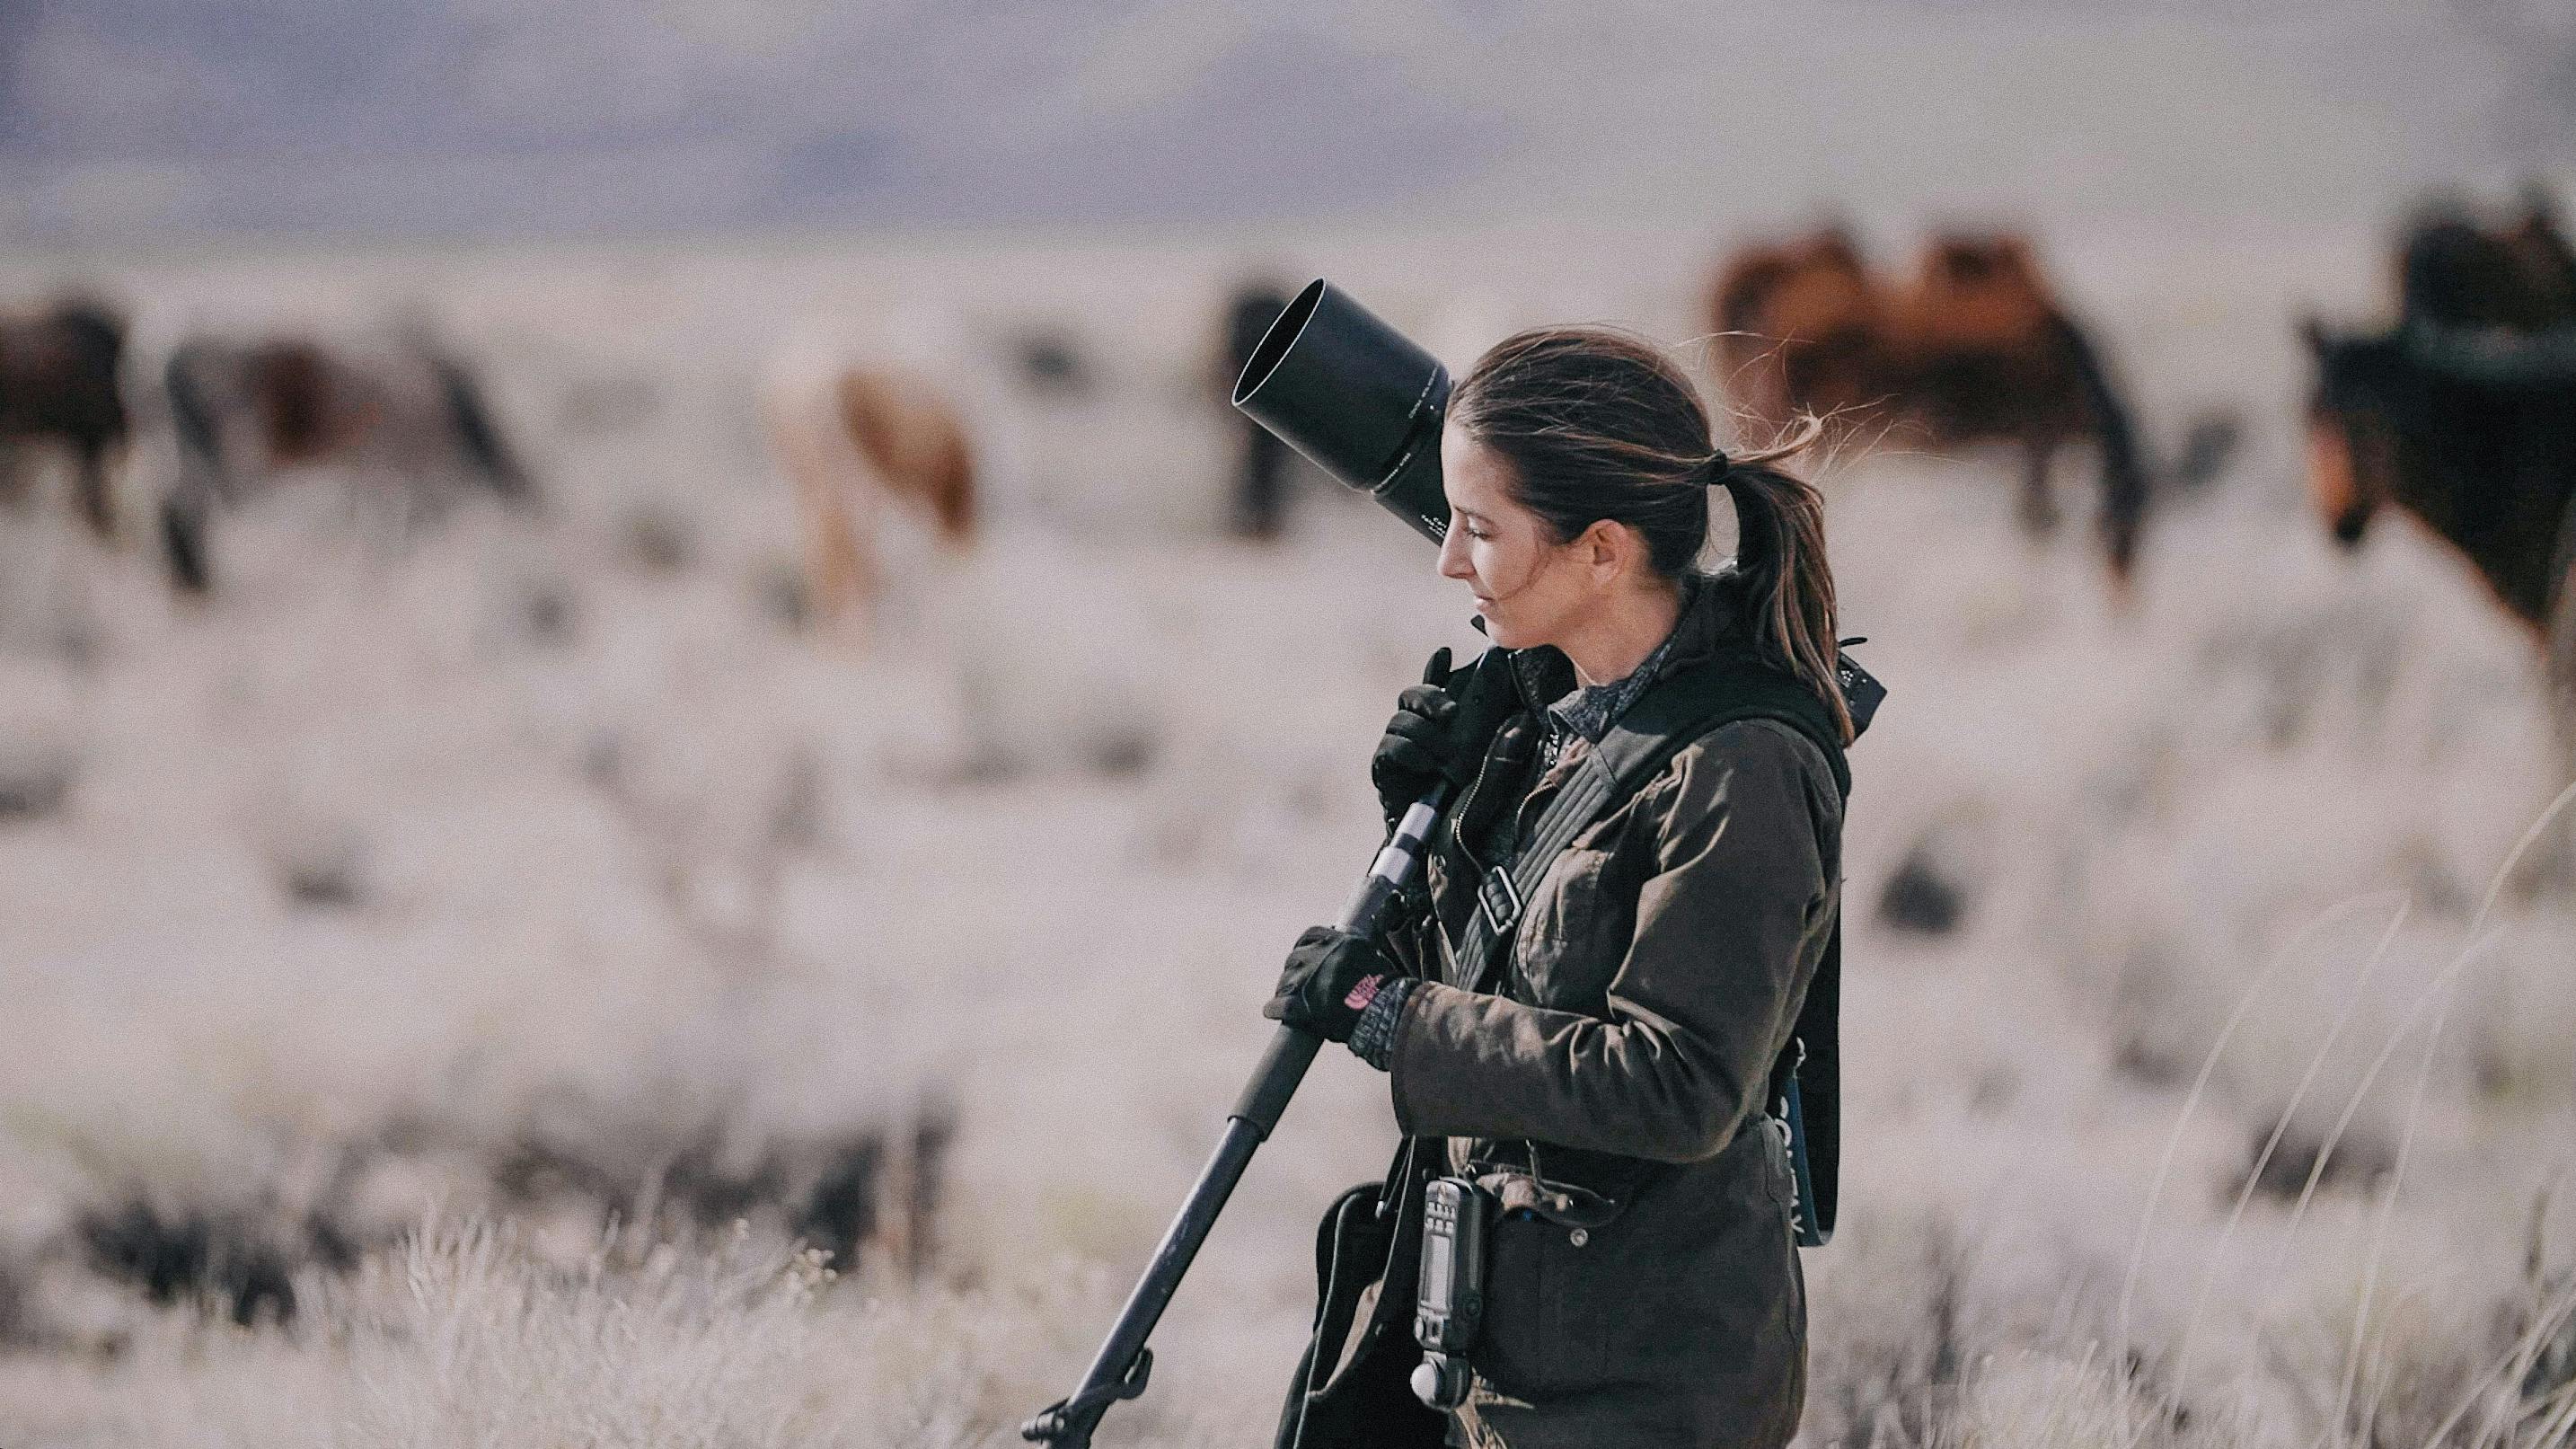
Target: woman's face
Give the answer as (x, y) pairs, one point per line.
(1529, 587)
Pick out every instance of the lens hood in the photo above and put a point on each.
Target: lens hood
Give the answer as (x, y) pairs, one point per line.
(1358, 398)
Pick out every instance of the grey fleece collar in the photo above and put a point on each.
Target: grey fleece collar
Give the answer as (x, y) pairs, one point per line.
(1709, 618)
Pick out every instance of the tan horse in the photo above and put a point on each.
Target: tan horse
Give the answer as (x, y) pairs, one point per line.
(853, 441)
(1972, 347)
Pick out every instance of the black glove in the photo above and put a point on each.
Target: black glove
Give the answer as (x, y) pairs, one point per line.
(1330, 978)
(1439, 730)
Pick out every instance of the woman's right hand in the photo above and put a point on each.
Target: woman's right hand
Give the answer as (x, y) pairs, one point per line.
(1438, 731)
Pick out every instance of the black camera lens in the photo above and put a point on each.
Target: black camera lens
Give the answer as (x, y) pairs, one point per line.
(1358, 398)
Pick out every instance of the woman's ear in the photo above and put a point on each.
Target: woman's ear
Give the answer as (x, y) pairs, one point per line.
(1608, 547)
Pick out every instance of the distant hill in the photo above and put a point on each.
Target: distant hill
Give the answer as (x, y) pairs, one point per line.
(125, 119)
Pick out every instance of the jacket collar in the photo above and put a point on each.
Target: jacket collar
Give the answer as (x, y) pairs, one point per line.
(1712, 621)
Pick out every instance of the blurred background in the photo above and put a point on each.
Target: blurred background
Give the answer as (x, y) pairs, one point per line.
(658, 738)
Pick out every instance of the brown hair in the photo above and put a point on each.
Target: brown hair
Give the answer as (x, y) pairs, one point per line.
(1597, 423)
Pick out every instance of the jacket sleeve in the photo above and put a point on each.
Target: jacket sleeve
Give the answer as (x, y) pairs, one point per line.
(1729, 926)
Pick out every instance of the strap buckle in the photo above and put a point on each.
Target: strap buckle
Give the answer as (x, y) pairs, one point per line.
(1500, 899)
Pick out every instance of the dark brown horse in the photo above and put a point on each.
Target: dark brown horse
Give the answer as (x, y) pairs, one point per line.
(58, 383)
(2518, 274)
(1261, 475)
(2464, 415)
(1972, 348)
(410, 420)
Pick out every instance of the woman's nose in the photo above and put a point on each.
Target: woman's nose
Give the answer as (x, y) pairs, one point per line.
(1453, 554)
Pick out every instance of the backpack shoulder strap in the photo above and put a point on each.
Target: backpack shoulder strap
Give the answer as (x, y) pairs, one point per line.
(1685, 708)
(1671, 716)
(1805, 1090)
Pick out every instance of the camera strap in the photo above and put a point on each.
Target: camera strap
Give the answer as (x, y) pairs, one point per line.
(1805, 1086)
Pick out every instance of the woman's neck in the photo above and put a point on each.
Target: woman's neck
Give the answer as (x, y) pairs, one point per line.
(1628, 629)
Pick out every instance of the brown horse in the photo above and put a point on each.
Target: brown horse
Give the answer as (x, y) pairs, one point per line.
(412, 419)
(2464, 415)
(1972, 348)
(850, 441)
(58, 383)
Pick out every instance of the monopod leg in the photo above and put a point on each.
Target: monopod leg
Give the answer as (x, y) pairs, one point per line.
(1119, 1370)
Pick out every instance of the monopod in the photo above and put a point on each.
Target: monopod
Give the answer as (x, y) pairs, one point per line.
(1366, 404)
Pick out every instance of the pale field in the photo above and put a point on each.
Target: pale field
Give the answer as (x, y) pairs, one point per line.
(612, 859)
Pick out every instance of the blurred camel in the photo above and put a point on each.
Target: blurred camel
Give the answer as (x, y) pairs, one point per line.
(411, 420)
(851, 439)
(58, 383)
(1972, 348)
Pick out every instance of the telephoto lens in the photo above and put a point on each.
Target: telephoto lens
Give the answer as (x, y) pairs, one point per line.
(1358, 398)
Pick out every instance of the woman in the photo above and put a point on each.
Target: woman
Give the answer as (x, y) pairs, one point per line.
(1605, 1074)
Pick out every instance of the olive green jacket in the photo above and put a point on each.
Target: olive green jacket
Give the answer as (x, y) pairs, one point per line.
(1654, 1295)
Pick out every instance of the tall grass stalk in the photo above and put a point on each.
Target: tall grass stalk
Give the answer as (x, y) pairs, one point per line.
(2191, 1103)
(2254, 1175)
(2387, 1213)
(2477, 942)
(2437, 991)
(2516, 1360)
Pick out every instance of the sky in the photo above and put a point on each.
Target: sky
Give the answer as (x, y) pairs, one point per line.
(138, 120)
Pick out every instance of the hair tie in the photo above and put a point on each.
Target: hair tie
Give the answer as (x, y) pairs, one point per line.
(1716, 467)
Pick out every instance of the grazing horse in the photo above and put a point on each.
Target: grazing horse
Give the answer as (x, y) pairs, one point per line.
(852, 439)
(2473, 433)
(2520, 275)
(1261, 474)
(58, 381)
(2464, 415)
(1972, 348)
(247, 414)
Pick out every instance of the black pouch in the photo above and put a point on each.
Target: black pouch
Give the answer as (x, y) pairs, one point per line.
(1353, 1386)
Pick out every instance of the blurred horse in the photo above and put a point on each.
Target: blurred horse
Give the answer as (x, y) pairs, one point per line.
(58, 382)
(2474, 433)
(412, 420)
(853, 439)
(2464, 415)
(1259, 496)
(2519, 275)
(1971, 348)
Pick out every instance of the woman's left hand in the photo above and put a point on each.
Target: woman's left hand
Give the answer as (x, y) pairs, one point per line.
(1330, 978)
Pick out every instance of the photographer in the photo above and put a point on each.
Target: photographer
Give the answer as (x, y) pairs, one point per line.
(1597, 1062)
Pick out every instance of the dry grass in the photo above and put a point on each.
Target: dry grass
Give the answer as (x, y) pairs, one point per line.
(454, 939)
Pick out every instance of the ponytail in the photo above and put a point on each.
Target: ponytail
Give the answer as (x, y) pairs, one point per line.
(1780, 556)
